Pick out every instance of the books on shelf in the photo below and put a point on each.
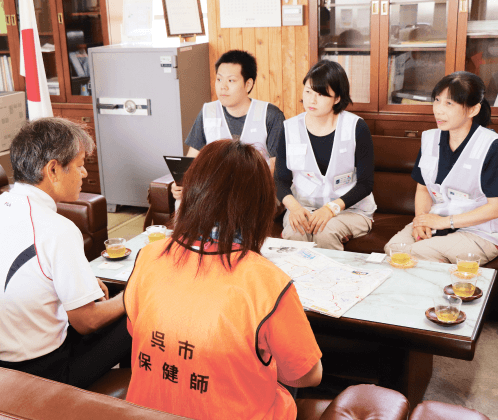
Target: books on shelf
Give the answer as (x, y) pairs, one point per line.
(396, 72)
(357, 68)
(79, 60)
(482, 27)
(413, 95)
(6, 81)
(53, 86)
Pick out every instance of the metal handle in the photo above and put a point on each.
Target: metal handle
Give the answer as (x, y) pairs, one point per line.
(59, 17)
(91, 181)
(107, 106)
(86, 119)
(463, 6)
(411, 133)
(375, 8)
(7, 19)
(384, 8)
(13, 20)
(91, 160)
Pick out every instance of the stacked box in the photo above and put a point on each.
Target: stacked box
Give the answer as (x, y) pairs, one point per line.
(12, 116)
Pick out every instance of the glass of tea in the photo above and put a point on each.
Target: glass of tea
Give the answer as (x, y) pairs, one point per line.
(447, 308)
(468, 262)
(115, 247)
(400, 254)
(463, 283)
(156, 232)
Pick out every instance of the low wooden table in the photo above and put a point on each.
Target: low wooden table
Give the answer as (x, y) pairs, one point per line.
(391, 320)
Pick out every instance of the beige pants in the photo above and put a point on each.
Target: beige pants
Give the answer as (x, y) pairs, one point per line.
(445, 248)
(345, 224)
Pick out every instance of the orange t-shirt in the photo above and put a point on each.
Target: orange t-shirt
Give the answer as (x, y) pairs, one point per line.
(196, 335)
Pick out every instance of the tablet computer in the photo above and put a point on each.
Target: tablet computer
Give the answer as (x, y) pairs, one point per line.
(178, 165)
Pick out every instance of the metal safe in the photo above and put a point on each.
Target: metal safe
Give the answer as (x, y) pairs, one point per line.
(145, 101)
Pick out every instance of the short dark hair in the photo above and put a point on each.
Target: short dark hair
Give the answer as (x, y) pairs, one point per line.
(466, 89)
(249, 68)
(40, 141)
(228, 186)
(325, 74)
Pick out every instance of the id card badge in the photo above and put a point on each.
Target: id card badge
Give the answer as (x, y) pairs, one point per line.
(342, 180)
(457, 194)
(437, 196)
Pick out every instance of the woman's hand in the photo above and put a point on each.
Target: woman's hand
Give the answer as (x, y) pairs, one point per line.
(421, 232)
(299, 219)
(432, 221)
(176, 191)
(319, 219)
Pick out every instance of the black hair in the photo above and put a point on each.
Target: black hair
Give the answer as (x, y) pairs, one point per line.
(249, 68)
(325, 74)
(466, 89)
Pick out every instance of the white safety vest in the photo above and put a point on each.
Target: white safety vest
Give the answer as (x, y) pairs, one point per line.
(461, 190)
(309, 186)
(254, 131)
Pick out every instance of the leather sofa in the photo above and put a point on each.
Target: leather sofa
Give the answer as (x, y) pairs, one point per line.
(89, 214)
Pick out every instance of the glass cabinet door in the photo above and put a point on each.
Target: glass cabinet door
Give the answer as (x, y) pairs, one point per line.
(8, 53)
(48, 34)
(345, 36)
(481, 49)
(85, 26)
(417, 44)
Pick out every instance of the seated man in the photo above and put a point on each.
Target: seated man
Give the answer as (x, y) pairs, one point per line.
(45, 279)
(234, 113)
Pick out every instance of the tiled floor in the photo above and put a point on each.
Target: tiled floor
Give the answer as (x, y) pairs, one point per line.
(472, 384)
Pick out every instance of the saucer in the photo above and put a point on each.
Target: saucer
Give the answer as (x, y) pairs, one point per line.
(431, 316)
(453, 268)
(106, 256)
(448, 290)
(412, 263)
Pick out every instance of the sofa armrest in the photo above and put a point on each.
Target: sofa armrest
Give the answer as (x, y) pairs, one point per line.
(28, 397)
(89, 214)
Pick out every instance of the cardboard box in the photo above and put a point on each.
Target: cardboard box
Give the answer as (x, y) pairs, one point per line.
(6, 165)
(12, 116)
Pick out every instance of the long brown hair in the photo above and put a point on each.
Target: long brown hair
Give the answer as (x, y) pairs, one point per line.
(228, 186)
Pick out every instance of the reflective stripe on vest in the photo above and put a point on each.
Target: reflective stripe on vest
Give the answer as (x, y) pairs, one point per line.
(254, 131)
(310, 187)
(464, 177)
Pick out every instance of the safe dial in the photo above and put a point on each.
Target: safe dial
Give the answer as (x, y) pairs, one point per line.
(130, 106)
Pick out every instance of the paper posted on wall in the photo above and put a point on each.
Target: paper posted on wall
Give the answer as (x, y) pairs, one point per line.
(323, 285)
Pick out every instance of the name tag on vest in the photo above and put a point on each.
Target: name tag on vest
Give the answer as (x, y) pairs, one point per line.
(341, 180)
(457, 194)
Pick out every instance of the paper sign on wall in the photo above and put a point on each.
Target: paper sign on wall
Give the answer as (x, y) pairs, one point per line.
(250, 14)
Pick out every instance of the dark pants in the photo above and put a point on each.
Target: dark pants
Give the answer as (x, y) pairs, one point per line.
(81, 359)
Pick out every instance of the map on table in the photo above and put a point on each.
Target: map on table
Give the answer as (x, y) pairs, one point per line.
(323, 285)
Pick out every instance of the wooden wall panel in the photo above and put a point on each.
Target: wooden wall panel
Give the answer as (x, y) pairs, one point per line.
(282, 55)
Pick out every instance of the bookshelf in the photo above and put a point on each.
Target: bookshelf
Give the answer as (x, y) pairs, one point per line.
(411, 45)
(67, 28)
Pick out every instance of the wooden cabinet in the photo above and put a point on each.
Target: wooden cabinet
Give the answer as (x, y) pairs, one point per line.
(67, 28)
(395, 51)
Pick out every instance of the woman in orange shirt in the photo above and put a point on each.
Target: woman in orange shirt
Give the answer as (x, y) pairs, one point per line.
(215, 325)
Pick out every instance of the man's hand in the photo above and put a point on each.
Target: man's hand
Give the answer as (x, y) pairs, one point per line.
(421, 232)
(104, 289)
(176, 191)
(299, 219)
(319, 219)
(432, 221)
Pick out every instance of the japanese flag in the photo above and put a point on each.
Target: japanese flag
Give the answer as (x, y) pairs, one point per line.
(32, 67)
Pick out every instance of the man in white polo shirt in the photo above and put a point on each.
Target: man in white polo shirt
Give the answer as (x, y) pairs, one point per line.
(46, 282)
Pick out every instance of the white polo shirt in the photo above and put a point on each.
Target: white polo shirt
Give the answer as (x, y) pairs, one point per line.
(43, 274)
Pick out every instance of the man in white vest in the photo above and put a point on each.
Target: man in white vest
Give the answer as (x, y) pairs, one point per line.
(235, 115)
(46, 282)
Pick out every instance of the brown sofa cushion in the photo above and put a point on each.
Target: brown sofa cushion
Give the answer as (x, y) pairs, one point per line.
(28, 397)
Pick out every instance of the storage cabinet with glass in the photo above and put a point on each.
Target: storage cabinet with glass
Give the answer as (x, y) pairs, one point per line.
(67, 28)
(396, 51)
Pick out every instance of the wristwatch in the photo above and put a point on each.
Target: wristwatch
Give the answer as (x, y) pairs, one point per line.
(452, 226)
(334, 208)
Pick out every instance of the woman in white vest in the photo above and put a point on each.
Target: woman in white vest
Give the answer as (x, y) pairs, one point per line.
(456, 203)
(324, 169)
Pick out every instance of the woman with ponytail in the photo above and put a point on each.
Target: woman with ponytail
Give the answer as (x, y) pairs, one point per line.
(456, 203)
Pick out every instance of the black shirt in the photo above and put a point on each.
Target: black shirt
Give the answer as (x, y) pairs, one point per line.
(322, 148)
(448, 158)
